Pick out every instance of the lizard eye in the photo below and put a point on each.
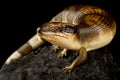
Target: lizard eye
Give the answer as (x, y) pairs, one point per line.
(68, 29)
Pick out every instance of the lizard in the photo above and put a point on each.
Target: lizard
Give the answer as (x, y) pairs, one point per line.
(79, 28)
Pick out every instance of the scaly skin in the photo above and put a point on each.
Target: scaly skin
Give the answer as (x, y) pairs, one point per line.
(80, 28)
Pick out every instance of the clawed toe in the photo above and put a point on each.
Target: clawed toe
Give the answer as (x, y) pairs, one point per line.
(61, 55)
(68, 69)
(55, 48)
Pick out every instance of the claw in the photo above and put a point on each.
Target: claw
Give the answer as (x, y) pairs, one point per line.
(54, 47)
(62, 53)
(68, 69)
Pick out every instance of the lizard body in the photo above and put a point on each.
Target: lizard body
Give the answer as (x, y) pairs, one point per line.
(80, 28)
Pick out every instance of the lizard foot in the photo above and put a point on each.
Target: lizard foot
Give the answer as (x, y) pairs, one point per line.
(62, 53)
(55, 48)
(68, 69)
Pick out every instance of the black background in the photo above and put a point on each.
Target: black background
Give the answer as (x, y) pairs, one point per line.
(19, 20)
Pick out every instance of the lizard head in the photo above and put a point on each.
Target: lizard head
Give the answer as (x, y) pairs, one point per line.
(56, 29)
(57, 32)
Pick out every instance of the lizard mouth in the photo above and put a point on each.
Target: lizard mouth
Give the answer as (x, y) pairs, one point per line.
(60, 35)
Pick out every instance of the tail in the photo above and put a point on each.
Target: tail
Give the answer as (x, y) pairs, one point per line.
(30, 45)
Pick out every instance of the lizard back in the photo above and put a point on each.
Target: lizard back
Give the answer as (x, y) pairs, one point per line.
(92, 23)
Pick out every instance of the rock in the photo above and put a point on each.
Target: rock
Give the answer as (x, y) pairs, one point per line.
(43, 64)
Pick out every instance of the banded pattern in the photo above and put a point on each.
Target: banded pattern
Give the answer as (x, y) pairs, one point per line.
(92, 22)
(30, 45)
(89, 15)
(74, 14)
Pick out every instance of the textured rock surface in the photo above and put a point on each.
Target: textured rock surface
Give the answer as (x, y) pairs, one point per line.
(43, 64)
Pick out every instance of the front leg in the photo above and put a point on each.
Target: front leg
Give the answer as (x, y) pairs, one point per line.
(62, 53)
(80, 59)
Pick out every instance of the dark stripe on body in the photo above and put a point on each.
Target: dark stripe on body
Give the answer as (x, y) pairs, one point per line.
(58, 27)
